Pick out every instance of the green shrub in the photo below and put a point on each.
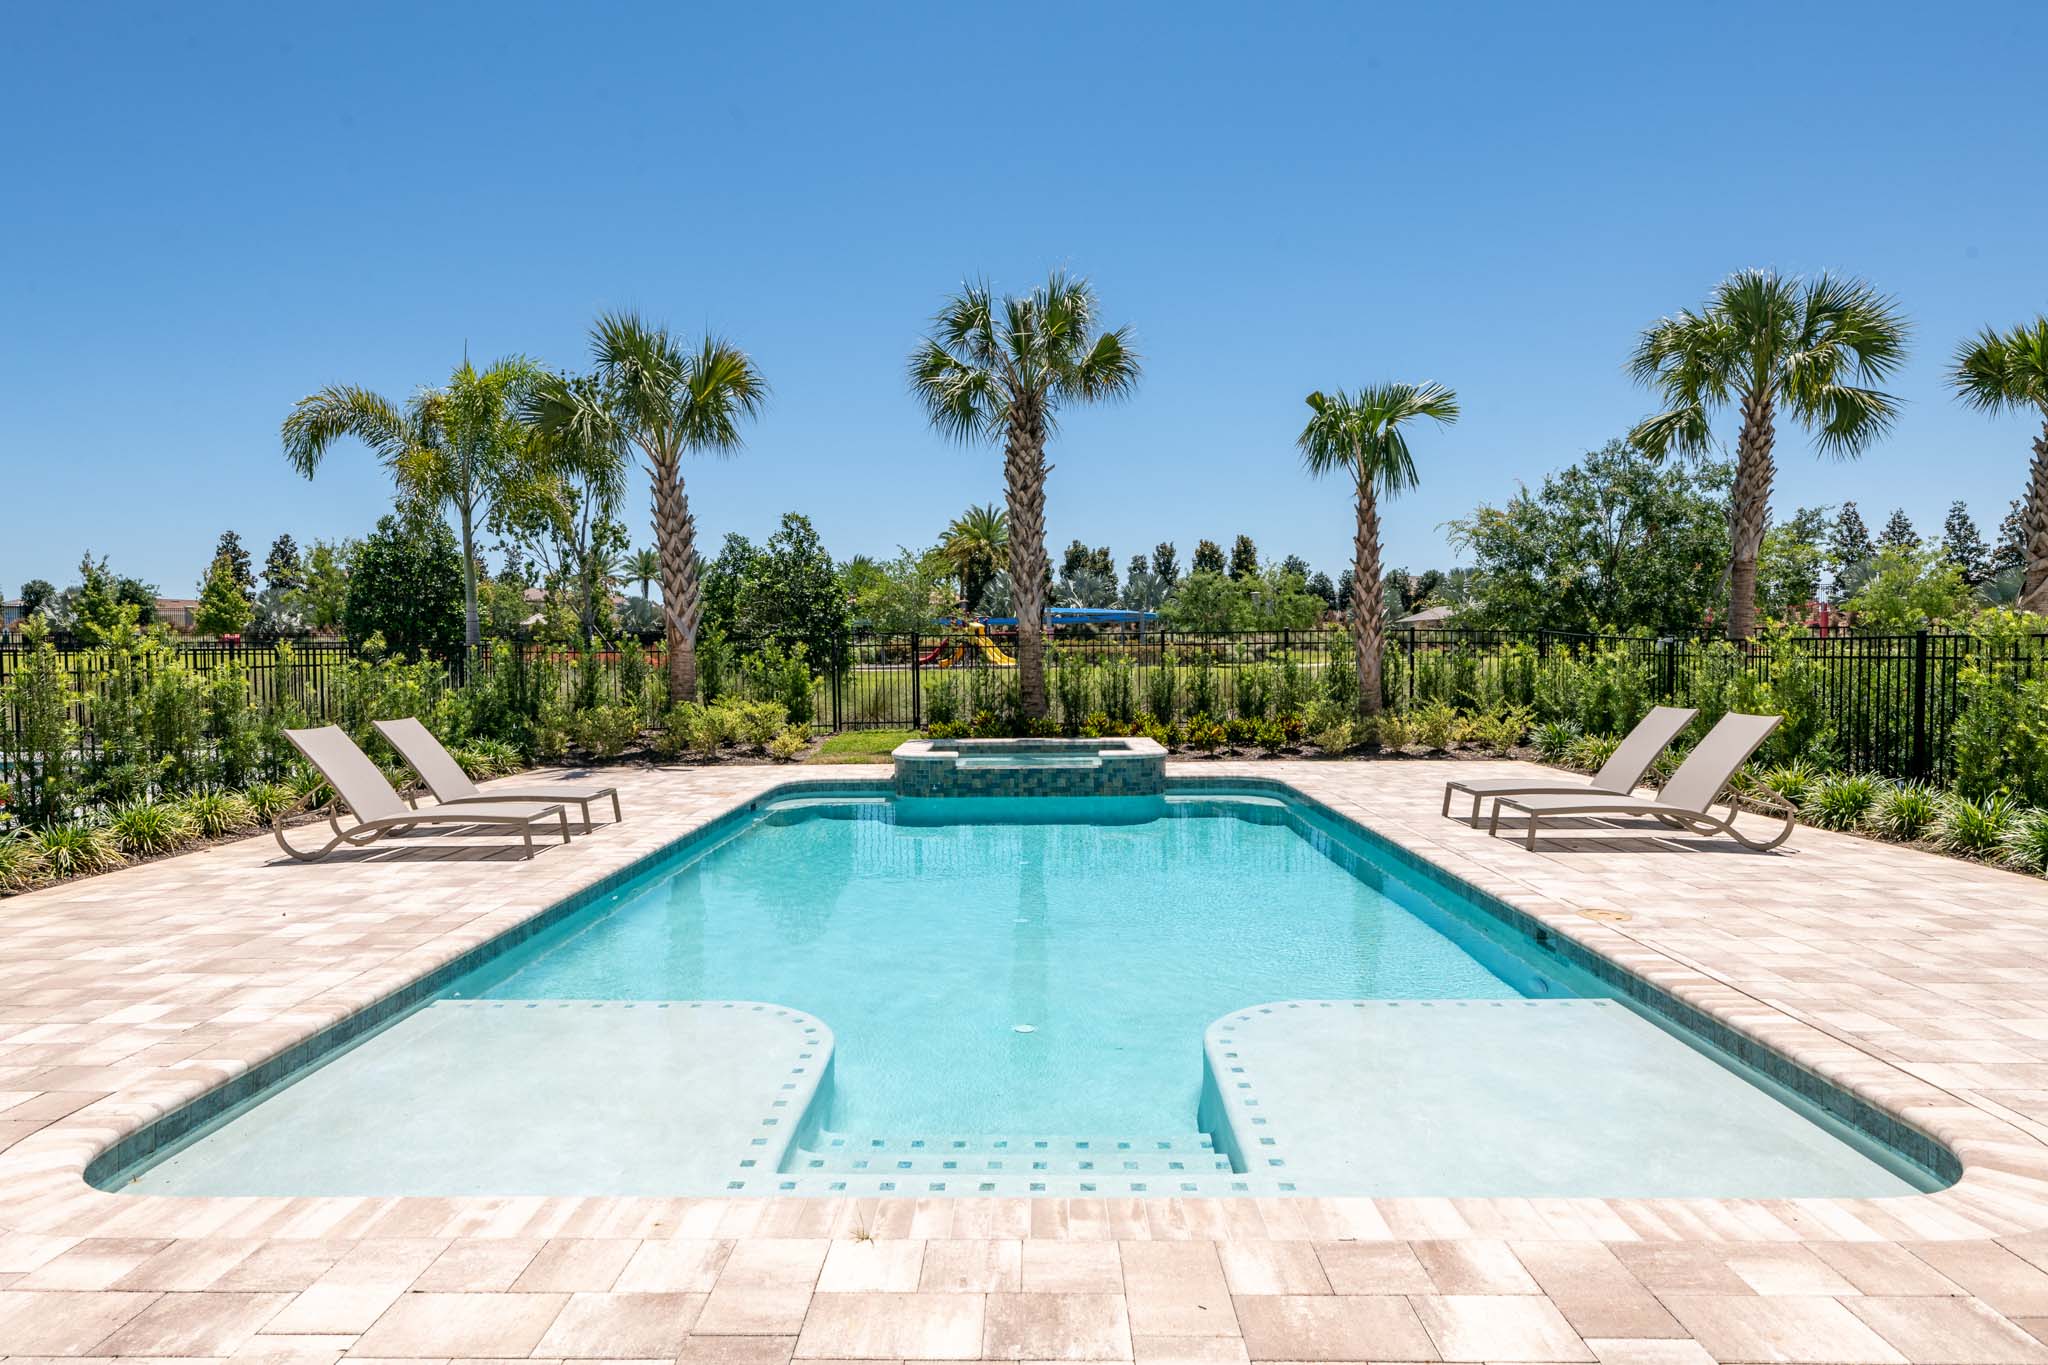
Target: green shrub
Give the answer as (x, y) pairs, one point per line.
(1841, 801)
(606, 731)
(1431, 726)
(678, 729)
(712, 727)
(1975, 828)
(38, 747)
(144, 829)
(775, 674)
(1253, 690)
(77, 850)
(942, 701)
(1501, 729)
(1554, 740)
(308, 788)
(1270, 734)
(1332, 738)
(2026, 841)
(1792, 780)
(1590, 752)
(1202, 699)
(1117, 692)
(1905, 811)
(788, 744)
(1073, 692)
(1205, 734)
(1293, 688)
(759, 722)
(21, 862)
(268, 800)
(216, 813)
(1160, 699)
(1392, 730)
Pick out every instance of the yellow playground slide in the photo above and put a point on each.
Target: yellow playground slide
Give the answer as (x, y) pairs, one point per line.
(977, 635)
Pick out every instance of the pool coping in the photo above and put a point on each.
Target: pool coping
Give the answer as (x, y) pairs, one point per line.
(2002, 1189)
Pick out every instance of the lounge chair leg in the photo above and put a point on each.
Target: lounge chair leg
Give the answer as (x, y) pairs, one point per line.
(617, 815)
(1532, 832)
(564, 813)
(526, 833)
(1476, 799)
(1493, 824)
(1447, 800)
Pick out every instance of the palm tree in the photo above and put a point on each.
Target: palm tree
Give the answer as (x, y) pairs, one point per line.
(666, 399)
(2001, 371)
(644, 565)
(460, 445)
(976, 545)
(1361, 435)
(1001, 369)
(1817, 347)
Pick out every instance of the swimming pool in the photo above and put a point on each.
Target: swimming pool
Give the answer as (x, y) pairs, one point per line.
(1011, 1003)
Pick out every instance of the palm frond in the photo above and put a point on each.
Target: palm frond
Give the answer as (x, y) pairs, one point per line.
(1684, 430)
(320, 419)
(2002, 370)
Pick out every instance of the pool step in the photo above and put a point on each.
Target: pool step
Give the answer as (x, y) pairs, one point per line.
(1011, 1159)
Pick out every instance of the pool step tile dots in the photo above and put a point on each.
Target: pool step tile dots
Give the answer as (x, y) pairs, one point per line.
(841, 1163)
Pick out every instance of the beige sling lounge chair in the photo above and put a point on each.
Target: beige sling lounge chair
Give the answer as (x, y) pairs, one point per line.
(1687, 799)
(451, 786)
(1621, 774)
(379, 810)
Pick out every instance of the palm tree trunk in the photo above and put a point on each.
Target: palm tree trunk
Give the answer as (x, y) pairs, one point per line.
(2034, 525)
(676, 533)
(1749, 510)
(1368, 602)
(472, 634)
(1024, 471)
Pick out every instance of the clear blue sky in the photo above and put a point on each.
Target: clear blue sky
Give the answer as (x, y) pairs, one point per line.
(208, 212)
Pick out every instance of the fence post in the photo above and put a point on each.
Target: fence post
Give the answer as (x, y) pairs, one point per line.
(1410, 670)
(1921, 760)
(838, 673)
(916, 686)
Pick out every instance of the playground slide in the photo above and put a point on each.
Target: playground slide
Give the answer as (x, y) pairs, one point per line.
(978, 637)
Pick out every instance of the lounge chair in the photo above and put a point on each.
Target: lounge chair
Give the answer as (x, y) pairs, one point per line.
(379, 810)
(1686, 801)
(1621, 774)
(451, 786)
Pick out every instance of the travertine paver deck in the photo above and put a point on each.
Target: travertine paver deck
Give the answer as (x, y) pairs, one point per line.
(1922, 982)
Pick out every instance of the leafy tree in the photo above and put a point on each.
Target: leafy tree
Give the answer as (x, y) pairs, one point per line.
(2011, 550)
(665, 399)
(1363, 437)
(1343, 586)
(36, 595)
(791, 592)
(724, 579)
(1087, 577)
(284, 569)
(1909, 588)
(1962, 546)
(1003, 369)
(900, 595)
(976, 545)
(239, 565)
(98, 615)
(1297, 566)
(142, 596)
(1816, 348)
(457, 446)
(1898, 533)
(1849, 551)
(1166, 563)
(323, 602)
(405, 584)
(2008, 372)
(1788, 569)
(1244, 558)
(1617, 540)
(1208, 557)
(223, 604)
(1205, 602)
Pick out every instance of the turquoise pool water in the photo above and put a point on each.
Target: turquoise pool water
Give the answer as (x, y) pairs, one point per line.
(1013, 999)
(928, 947)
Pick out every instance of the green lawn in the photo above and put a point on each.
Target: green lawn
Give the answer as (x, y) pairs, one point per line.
(860, 746)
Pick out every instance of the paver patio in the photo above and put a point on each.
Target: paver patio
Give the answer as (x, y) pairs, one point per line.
(1921, 983)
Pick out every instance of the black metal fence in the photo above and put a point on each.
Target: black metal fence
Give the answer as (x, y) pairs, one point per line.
(1884, 703)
